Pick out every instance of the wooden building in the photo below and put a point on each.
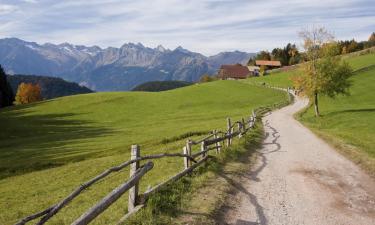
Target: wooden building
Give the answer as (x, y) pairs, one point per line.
(268, 63)
(234, 72)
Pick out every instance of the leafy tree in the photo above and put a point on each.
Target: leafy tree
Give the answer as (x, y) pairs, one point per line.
(206, 78)
(344, 50)
(372, 37)
(371, 41)
(262, 70)
(293, 54)
(251, 61)
(324, 72)
(289, 55)
(28, 93)
(6, 94)
(280, 55)
(353, 46)
(263, 55)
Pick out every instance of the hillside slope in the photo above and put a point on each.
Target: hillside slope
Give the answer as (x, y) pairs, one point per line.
(83, 135)
(283, 79)
(80, 126)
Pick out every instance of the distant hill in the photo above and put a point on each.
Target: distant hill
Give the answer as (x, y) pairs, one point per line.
(111, 69)
(52, 87)
(155, 86)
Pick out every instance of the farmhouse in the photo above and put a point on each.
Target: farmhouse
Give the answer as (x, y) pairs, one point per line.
(237, 71)
(268, 63)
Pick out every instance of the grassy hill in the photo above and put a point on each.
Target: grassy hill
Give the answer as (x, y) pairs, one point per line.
(283, 79)
(49, 148)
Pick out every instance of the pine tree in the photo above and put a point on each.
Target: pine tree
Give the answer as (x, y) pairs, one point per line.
(6, 94)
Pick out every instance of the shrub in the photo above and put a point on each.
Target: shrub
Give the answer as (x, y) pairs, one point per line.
(28, 93)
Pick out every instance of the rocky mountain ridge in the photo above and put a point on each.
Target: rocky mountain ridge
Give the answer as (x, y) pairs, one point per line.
(110, 69)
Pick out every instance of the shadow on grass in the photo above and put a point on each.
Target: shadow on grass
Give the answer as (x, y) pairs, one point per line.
(34, 142)
(350, 111)
(270, 138)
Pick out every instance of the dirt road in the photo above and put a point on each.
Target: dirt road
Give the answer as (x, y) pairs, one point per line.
(299, 179)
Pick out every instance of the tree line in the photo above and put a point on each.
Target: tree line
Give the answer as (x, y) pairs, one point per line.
(23, 89)
(289, 55)
(6, 93)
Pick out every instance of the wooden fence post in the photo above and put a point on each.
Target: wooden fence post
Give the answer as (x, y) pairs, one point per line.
(239, 130)
(217, 144)
(188, 148)
(186, 160)
(133, 192)
(229, 126)
(203, 148)
(243, 125)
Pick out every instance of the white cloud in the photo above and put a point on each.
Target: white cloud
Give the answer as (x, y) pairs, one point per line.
(30, 1)
(206, 26)
(7, 9)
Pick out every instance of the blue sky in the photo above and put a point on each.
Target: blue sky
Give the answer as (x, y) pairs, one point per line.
(205, 26)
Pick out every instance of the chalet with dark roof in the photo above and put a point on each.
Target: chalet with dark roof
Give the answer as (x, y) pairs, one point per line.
(234, 72)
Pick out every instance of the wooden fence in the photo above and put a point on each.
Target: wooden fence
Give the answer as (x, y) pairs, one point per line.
(213, 142)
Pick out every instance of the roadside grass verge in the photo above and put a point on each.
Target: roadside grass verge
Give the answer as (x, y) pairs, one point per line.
(348, 122)
(197, 198)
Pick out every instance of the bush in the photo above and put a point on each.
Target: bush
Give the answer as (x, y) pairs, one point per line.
(207, 78)
(28, 93)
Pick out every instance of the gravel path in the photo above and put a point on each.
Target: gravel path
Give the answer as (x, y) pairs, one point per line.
(299, 179)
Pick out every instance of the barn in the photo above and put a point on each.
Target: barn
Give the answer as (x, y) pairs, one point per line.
(234, 72)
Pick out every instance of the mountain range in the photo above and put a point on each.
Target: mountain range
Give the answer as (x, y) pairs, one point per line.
(111, 69)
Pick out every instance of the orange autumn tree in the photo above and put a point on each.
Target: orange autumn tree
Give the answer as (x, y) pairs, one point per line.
(28, 93)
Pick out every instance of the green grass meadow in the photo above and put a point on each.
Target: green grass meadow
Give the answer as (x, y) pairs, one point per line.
(47, 149)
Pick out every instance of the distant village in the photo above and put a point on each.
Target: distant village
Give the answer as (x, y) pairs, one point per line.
(238, 71)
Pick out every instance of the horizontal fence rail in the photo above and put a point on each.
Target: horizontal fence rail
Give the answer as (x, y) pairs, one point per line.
(213, 141)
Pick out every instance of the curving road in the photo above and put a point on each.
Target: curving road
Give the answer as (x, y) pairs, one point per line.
(299, 179)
